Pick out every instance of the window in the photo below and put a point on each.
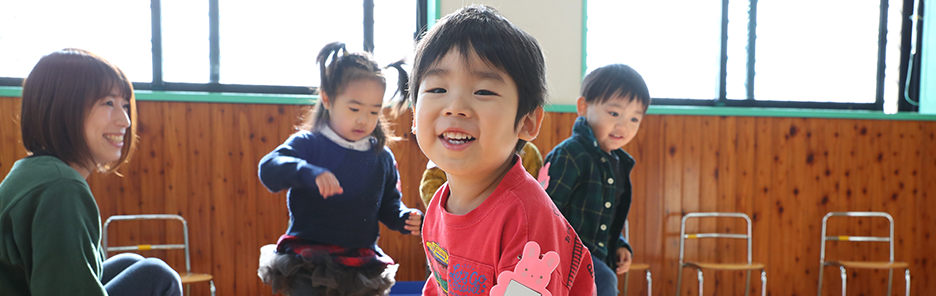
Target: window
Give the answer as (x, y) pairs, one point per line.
(231, 45)
(794, 53)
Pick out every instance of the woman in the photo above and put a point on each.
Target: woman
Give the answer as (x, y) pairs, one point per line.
(76, 117)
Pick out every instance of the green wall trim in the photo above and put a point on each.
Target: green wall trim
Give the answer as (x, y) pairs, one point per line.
(11, 91)
(584, 37)
(202, 97)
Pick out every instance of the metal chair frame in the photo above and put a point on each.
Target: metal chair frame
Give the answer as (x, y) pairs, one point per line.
(682, 243)
(888, 239)
(626, 274)
(185, 246)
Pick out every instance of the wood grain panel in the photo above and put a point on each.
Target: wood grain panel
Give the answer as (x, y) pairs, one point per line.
(199, 160)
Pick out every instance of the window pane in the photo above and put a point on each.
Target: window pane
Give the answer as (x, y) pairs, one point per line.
(673, 44)
(185, 41)
(31, 29)
(276, 43)
(814, 51)
(394, 26)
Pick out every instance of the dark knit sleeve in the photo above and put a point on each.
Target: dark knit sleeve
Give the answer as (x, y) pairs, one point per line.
(393, 213)
(286, 166)
(65, 233)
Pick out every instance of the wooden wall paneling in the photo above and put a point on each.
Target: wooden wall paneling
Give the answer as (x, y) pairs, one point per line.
(693, 155)
(151, 191)
(672, 129)
(173, 166)
(922, 270)
(10, 138)
(708, 201)
(903, 200)
(270, 126)
(221, 200)
(245, 181)
(867, 280)
(652, 151)
(198, 187)
(729, 250)
(823, 193)
(762, 202)
(782, 156)
(799, 202)
(744, 169)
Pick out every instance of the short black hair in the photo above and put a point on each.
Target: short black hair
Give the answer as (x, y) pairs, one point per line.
(481, 30)
(615, 80)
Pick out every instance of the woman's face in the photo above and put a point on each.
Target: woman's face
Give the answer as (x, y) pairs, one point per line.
(105, 127)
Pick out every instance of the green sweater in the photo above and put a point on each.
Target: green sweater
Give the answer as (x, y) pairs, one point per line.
(50, 231)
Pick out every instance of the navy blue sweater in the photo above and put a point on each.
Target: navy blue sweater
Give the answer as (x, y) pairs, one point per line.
(368, 180)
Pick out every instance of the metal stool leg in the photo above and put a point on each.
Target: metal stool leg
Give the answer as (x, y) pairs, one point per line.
(890, 281)
(821, 267)
(626, 279)
(650, 282)
(763, 280)
(844, 279)
(747, 283)
(679, 280)
(907, 279)
(211, 282)
(700, 282)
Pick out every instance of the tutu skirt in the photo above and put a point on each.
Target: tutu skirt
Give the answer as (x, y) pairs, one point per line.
(296, 269)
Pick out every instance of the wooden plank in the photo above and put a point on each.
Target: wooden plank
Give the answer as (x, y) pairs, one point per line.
(654, 227)
(672, 130)
(781, 151)
(198, 194)
(222, 200)
(744, 142)
(708, 202)
(761, 203)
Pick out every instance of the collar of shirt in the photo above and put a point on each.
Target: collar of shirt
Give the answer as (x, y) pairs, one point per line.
(364, 144)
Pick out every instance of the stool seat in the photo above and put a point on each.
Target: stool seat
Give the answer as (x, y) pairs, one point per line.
(188, 278)
(639, 266)
(725, 266)
(869, 265)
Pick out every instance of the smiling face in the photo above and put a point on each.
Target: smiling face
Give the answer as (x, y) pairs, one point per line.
(105, 127)
(614, 122)
(465, 113)
(354, 113)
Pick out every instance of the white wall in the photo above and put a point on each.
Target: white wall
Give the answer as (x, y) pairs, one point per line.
(557, 25)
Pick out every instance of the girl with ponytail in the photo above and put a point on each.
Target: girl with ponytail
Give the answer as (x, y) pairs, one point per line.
(341, 179)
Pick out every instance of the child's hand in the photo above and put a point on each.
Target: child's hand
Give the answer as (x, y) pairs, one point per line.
(624, 260)
(328, 184)
(413, 223)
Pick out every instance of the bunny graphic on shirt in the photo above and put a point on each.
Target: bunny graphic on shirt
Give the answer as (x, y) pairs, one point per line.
(530, 276)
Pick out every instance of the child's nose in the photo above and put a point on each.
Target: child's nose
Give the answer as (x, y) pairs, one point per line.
(456, 107)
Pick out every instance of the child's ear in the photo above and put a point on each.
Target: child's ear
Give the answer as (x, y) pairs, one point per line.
(530, 124)
(326, 102)
(581, 107)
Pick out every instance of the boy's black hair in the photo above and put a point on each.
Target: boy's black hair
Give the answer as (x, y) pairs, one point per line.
(483, 31)
(343, 69)
(613, 80)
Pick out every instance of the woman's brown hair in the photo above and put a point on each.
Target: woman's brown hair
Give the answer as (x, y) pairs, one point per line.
(58, 95)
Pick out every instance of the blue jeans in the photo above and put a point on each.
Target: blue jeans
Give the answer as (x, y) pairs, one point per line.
(606, 280)
(131, 274)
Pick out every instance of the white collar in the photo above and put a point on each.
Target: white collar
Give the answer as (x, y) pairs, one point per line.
(359, 145)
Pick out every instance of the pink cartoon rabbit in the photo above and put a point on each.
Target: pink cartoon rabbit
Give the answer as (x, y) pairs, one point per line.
(530, 276)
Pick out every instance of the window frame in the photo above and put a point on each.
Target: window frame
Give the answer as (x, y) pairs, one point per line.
(214, 85)
(750, 102)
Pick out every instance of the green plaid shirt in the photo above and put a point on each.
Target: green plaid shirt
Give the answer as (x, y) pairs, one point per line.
(582, 184)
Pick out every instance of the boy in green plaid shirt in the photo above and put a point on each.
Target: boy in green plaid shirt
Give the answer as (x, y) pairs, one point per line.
(588, 174)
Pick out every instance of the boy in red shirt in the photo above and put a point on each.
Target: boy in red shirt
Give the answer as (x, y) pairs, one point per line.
(478, 87)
